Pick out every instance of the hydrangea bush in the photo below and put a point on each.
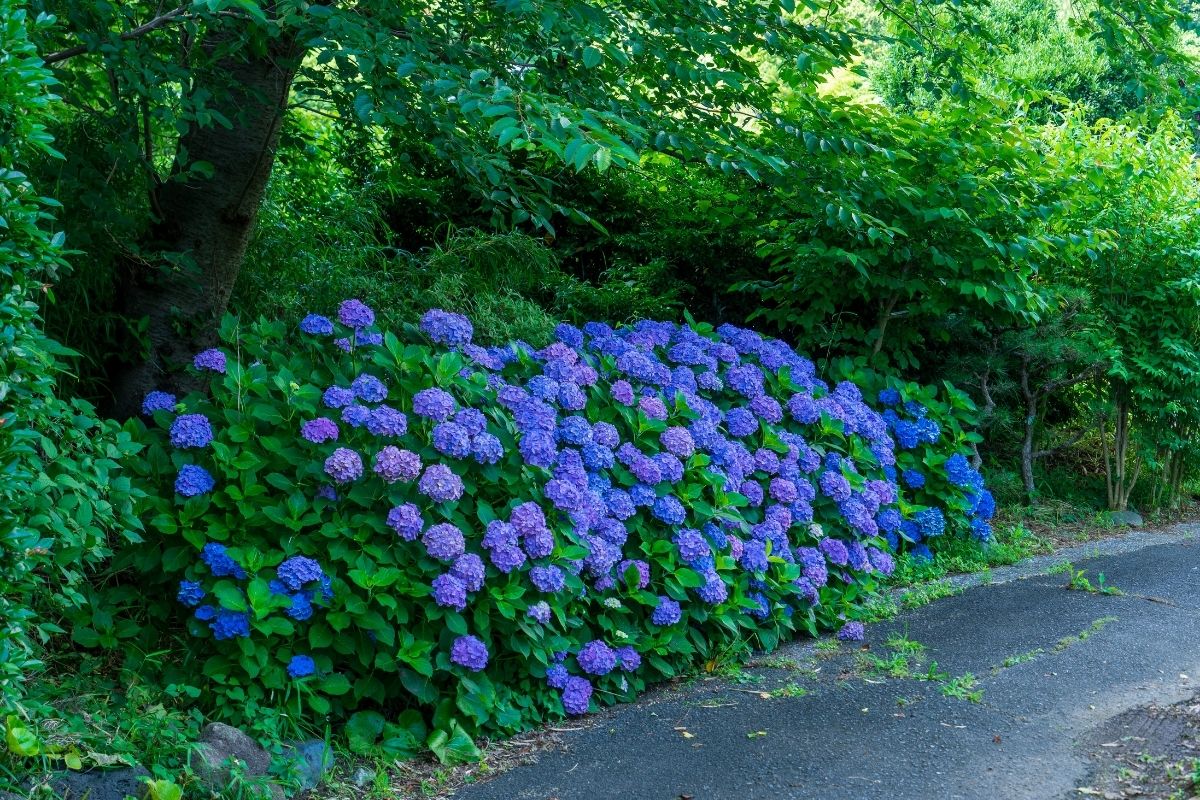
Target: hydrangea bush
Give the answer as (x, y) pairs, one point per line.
(488, 538)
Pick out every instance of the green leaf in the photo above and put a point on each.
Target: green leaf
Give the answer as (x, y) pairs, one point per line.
(453, 746)
(363, 730)
(592, 57)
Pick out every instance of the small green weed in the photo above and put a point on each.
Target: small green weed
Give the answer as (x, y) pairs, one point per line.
(791, 690)
(963, 687)
(1079, 582)
(1021, 658)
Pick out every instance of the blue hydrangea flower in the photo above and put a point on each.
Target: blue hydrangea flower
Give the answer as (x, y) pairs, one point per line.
(344, 465)
(387, 421)
(212, 360)
(301, 666)
(667, 612)
(355, 314)
(445, 327)
(851, 632)
(669, 509)
(889, 397)
(316, 325)
(158, 401)
(912, 479)
(548, 579)
(319, 430)
(193, 481)
(230, 624)
(469, 652)
(191, 430)
(692, 545)
(539, 612)
(444, 541)
(220, 563)
(434, 403)
(930, 521)
(449, 592)
(440, 484)
(297, 571)
(452, 439)
(577, 695)
(557, 676)
(835, 551)
(959, 471)
(337, 397)
(369, 389)
(406, 521)
(190, 594)
(596, 658)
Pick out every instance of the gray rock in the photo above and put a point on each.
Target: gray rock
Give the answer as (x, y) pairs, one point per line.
(220, 747)
(310, 760)
(362, 777)
(94, 784)
(1131, 518)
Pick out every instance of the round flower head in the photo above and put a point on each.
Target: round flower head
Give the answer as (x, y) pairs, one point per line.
(193, 481)
(557, 676)
(447, 328)
(158, 401)
(355, 314)
(191, 430)
(406, 521)
(678, 441)
(319, 430)
(393, 464)
(440, 484)
(547, 579)
(444, 542)
(669, 510)
(212, 360)
(387, 421)
(449, 592)
(577, 695)
(628, 658)
(337, 397)
(539, 612)
(469, 569)
(369, 389)
(452, 439)
(436, 404)
(486, 448)
(230, 624)
(297, 571)
(344, 465)
(190, 594)
(220, 563)
(356, 415)
(316, 325)
(835, 551)
(667, 612)
(597, 658)
(851, 632)
(469, 652)
(301, 667)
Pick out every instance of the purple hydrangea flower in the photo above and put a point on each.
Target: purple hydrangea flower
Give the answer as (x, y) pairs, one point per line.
(158, 401)
(444, 541)
(835, 486)
(667, 612)
(445, 327)
(406, 521)
(387, 421)
(337, 397)
(692, 545)
(506, 558)
(469, 569)
(191, 430)
(678, 441)
(316, 325)
(356, 415)
(597, 658)
(669, 509)
(714, 591)
(212, 360)
(486, 448)
(548, 579)
(393, 464)
(440, 484)
(653, 407)
(835, 551)
(628, 658)
(469, 652)
(539, 612)
(528, 518)
(369, 389)
(301, 666)
(852, 632)
(741, 422)
(754, 556)
(452, 439)
(355, 314)
(449, 592)
(344, 465)
(193, 480)
(577, 695)
(557, 677)
(434, 403)
(319, 430)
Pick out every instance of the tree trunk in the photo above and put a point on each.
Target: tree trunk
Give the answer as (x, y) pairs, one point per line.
(204, 224)
(1030, 428)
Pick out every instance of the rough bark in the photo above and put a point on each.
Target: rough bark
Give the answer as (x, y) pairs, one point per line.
(206, 222)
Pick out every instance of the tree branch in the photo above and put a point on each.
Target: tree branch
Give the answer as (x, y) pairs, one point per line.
(141, 30)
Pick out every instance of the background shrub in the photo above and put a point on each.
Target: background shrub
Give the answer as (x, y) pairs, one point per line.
(488, 538)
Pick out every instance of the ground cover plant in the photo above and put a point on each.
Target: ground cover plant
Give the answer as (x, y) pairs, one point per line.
(473, 539)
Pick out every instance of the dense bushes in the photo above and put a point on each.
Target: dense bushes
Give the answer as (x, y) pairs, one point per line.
(62, 499)
(498, 536)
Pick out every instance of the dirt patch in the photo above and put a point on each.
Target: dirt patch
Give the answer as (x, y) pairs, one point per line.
(1149, 752)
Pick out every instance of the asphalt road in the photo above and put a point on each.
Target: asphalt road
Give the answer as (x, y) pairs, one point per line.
(1053, 667)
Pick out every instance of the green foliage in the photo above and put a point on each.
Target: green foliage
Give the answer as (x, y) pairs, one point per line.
(64, 504)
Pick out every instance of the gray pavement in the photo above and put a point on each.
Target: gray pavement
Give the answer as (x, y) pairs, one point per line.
(1053, 666)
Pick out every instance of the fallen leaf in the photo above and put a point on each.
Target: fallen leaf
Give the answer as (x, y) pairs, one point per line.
(996, 739)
